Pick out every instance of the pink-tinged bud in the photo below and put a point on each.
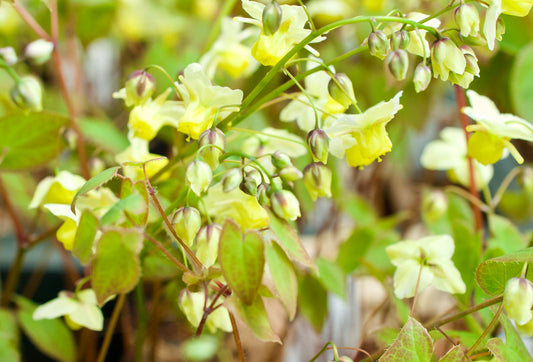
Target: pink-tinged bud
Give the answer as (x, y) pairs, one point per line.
(27, 94)
(281, 160)
(378, 44)
(212, 154)
(400, 39)
(186, 222)
(285, 205)
(207, 244)
(317, 180)
(198, 176)
(263, 197)
(467, 19)
(340, 89)
(518, 299)
(398, 62)
(140, 86)
(421, 77)
(231, 179)
(39, 51)
(318, 142)
(249, 185)
(290, 173)
(271, 17)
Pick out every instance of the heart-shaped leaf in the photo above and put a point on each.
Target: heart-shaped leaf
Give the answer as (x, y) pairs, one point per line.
(413, 344)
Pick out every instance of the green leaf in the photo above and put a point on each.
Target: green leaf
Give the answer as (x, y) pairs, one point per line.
(116, 215)
(288, 239)
(242, 260)
(312, 301)
(354, 248)
(331, 276)
(51, 336)
(29, 140)
(513, 349)
(413, 344)
(115, 268)
(467, 254)
(283, 276)
(456, 354)
(521, 88)
(493, 274)
(85, 234)
(9, 337)
(505, 235)
(254, 316)
(138, 213)
(95, 182)
(104, 134)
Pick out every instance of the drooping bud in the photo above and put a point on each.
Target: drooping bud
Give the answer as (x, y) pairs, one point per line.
(140, 86)
(434, 205)
(378, 44)
(285, 204)
(249, 185)
(8, 55)
(317, 180)
(341, 90)
(231, 179)
(398, 62)
(27, 94)
(471, 60)
(345, 359)
(262, 194)
(290, 173)
(39, 51)
(500, 29)
(271, 17)
(198, 176)
(212, 154)
(400, 39)
(281, 160)
(421, 77)
(207, 244)
(446, 57)
(318, 142)
(186, 223)
(467, 18)
(518, 300)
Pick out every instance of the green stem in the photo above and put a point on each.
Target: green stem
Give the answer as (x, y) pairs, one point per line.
(302, 89)
(111, 328)
(162, 70)
(215, 30)
(321, 351)
(252, 159)
(171, 257)
(13, 277)
(487, 330)
(503, 186)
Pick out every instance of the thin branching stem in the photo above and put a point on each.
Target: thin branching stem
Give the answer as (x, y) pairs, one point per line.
(111, 327)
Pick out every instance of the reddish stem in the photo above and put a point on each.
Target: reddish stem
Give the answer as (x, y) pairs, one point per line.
(19, 231)
(28, 19)
(461, 103)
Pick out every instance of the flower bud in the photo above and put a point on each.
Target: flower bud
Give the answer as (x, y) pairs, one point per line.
(186, 223)
(198, 176)
(207, 244)
(398, 62)
(211, 154)
(446, 58)
(192, 305)
(271, 18)
(8, 55)
(378, 44)
(421, 77)
(281, 160)
(518, 299)
(471, 60)
(285, 204)
(39, 51)
(262, 194)
(345, 359)
(434, 205)
(140, 86)
(290, 173)
(318, 142)
(231, 179)
(341, 90)
(249, 185)
(467, 18)
(400, 39)
(317, 180)
(500, 29)
(27, 94)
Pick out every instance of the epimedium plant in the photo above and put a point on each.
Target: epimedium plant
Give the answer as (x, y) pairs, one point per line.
(215, 218)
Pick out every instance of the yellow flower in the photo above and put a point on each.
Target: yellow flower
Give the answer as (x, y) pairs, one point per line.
(427, 259)
(138, 152)
(57, 190)
(192, 305)
(235, 204)
(363, 137)
(202, 100)
(493, 130)
(497, 7)
(518, 300)
(270, 48)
